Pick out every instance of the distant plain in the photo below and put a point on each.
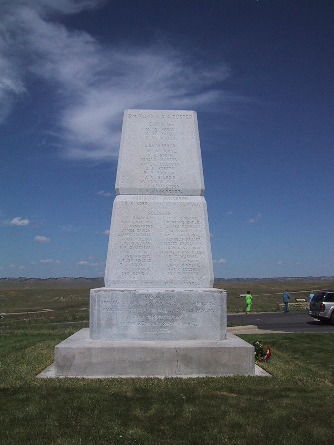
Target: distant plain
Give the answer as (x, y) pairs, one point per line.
(69, 297)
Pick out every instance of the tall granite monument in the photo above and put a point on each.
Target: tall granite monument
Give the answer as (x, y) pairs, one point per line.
(158, 314)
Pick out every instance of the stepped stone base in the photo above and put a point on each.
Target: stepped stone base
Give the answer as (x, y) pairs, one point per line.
(80, 356)
(157, 314)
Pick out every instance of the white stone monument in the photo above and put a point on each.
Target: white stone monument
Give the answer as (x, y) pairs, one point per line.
(158, 314)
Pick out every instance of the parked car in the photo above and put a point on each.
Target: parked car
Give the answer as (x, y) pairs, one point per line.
(322, 306)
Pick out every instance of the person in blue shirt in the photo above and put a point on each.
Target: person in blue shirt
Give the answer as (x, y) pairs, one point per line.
(286, 298)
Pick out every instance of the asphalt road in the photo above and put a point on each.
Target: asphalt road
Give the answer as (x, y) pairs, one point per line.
(292, 322)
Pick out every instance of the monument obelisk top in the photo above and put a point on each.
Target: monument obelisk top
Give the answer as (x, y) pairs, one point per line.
(160, 154)
(159, 235)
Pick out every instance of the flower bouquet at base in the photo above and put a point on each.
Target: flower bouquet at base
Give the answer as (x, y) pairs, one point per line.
(261, 354)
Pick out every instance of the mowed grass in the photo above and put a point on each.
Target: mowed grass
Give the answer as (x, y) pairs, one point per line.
(294, 406)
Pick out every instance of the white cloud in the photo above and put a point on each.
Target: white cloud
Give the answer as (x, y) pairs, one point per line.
(86, 263)
(69, 228)
(18, 221)
(103, 193)
(83, 263)
(221, 261)
(46, 261)
(11, 87)
(256, 219)
(95, 84)
(42, 239)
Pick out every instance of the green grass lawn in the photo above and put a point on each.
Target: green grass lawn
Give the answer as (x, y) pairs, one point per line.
(294, 406)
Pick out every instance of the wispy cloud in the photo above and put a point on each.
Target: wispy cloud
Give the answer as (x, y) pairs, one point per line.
(87, 263)
(255, 219)
(46, 261)
(69, 228)
(83, 263)
(221, 261)
(18, 221)
(95, 83)
(103, 193)
(42, 239)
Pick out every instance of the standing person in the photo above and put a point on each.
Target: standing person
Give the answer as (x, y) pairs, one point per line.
(286, 298)
(248, 300)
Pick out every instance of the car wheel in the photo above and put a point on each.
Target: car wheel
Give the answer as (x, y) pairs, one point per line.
(332, 318)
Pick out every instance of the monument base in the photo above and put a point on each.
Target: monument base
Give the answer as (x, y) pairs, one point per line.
(157, 314)
(80, 356)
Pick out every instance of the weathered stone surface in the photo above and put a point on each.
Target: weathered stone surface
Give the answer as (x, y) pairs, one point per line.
(160, 154)
(80, 356)
(158, 314)
(159, 241)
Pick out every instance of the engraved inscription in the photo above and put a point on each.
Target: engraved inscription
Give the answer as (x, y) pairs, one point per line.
(152, 314)
(159, 241)
(156, 146)
(160, 158)
(155, 311)
(159, 115)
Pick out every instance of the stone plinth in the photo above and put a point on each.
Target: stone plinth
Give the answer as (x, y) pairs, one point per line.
(157, 314)
(80, 356)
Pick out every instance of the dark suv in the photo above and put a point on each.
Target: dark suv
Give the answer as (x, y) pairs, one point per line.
(322, 306)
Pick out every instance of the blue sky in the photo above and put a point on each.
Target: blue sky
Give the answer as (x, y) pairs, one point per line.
(258, 73)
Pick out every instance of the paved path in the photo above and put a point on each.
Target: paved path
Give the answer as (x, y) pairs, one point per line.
(271, 322)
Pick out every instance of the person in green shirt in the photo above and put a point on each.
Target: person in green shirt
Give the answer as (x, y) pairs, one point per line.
(248, 300)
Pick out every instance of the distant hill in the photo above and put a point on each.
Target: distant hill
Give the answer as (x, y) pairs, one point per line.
(91, 283)
(276, 279)
(21, 282)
